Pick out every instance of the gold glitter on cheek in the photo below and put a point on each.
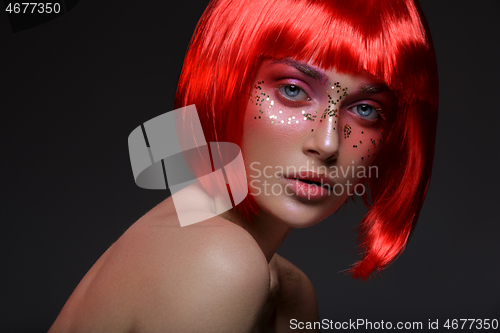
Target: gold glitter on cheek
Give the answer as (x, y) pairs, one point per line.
(347, 131)
(308, 116)
(276, 116)
(261, 100)
(259, 97)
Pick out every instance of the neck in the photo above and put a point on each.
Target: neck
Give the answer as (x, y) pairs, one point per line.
(268, 231)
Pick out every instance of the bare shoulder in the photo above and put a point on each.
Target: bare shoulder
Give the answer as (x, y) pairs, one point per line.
(210, 276)
(221, 279)
(297, 298)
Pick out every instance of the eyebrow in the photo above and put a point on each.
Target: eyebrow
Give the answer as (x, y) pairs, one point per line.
(373, 88)
(304, 68)
(320, 76)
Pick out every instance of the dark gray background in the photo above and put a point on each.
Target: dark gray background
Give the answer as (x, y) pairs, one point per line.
(74, 88)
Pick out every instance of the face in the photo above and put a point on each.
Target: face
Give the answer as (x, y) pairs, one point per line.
(310, 137)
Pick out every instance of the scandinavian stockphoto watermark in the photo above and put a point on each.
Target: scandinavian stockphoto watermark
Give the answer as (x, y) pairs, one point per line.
(163, 157)
(336, 180)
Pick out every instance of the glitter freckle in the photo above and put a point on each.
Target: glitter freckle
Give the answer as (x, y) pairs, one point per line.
(347, 131)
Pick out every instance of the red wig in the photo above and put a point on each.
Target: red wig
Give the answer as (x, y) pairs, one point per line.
(388, 39)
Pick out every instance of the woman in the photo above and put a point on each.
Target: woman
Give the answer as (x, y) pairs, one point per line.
(327, 99)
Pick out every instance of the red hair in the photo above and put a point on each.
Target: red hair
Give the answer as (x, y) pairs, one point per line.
(388, 39)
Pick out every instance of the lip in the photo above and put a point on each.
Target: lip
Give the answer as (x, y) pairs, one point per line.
(295, 182)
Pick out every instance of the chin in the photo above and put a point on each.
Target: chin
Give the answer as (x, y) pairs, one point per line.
(298, 215)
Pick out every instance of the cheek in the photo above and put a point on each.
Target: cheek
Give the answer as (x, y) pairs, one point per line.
(260, 128)
(264, 115)
(360, 144)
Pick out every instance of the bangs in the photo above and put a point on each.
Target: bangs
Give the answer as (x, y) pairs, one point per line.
(386, 43)
(386, 39)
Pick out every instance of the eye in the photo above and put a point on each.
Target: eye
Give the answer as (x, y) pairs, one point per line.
(366, 111)
(293, 93)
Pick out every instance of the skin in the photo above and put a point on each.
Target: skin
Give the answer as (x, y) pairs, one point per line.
(223, 274)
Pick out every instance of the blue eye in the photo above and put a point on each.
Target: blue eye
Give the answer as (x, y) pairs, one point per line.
(365, 111)
(292, 91)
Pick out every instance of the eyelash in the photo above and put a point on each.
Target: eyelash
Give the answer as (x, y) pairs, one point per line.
(290, 99)
(374, 108)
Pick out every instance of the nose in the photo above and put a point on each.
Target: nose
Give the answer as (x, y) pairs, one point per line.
(323, 142)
